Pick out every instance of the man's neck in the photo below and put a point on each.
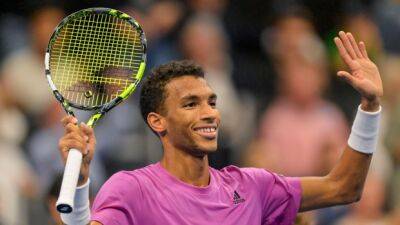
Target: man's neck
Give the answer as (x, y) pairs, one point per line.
(187, 168)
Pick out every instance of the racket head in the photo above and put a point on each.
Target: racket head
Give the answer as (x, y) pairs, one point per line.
(95, 57)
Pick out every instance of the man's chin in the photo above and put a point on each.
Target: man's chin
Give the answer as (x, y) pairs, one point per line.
(203, 150)
(209, 145)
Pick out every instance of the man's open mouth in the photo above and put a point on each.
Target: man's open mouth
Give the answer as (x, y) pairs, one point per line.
(209, 132)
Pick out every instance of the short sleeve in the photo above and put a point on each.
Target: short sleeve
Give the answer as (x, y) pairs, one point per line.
(111, 206)
(280, 197)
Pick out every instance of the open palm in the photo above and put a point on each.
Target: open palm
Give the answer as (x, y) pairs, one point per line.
(364, 74)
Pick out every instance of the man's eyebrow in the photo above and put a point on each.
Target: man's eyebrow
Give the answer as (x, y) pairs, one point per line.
(196, 97)
(189, 97)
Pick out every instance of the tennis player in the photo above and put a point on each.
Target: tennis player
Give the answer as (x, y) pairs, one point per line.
(181, 109)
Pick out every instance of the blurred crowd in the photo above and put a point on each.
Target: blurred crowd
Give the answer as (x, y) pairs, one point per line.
(272, 64)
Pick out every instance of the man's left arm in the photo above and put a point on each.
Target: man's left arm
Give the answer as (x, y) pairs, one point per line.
(344, 183)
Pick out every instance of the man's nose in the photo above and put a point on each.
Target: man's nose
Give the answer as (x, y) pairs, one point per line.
(209, 113)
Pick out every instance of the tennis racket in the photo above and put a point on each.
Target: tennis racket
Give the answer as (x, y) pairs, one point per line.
(94, 60)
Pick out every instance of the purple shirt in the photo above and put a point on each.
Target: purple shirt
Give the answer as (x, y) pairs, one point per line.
(150, 196)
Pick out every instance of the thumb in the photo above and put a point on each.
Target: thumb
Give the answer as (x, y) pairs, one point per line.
(346, 76)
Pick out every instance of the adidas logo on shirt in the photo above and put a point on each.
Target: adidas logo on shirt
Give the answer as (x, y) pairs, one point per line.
(237, 199)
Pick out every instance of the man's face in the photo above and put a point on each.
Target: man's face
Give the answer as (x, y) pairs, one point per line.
(191, 117)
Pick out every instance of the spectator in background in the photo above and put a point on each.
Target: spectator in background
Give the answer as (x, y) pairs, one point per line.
(212, 7)
(252, 71)
(51, 199)
(17, 181)
(30, 77)
(161, 23)
(392, 143)
(22, 70)
(299, 127)
(386, 14)
(203, 40)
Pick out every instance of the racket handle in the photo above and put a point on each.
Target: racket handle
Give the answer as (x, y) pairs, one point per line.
(65, 202)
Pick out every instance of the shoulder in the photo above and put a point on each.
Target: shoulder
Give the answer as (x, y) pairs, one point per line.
(122, 190)
(243, 172)
(126, 182)
(116, 187)
(248, 174)
(261, 178)
(238, 171)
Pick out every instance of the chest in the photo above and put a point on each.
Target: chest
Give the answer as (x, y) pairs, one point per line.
(225, 205)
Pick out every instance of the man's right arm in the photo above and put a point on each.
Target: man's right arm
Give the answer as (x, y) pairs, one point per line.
(95, 223)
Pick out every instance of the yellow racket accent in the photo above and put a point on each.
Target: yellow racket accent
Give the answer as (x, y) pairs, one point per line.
(132, 87)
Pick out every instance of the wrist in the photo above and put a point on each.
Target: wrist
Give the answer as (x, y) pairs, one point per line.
(83, 179)
(370, 105)
(364, 133)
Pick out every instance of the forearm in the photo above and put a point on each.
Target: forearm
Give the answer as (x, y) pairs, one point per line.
(352, 169)
(345, 182)
(348, 176)
(341, 186)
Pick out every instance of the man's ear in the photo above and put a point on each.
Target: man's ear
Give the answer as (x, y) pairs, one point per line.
(156, 123)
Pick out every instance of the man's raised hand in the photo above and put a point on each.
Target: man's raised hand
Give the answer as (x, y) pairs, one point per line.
(364, 74)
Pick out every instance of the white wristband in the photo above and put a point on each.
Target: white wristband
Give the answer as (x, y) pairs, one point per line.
(364, 133)
(81, 213)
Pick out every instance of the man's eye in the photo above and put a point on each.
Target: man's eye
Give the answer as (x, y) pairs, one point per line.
(213, 104)
(190, 105)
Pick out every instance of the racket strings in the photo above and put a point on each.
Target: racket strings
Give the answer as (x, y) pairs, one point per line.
(94, 58)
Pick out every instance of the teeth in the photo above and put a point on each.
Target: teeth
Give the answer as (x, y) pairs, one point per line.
(207, 130)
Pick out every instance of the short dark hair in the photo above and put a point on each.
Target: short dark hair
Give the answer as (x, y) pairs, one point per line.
(153, 94)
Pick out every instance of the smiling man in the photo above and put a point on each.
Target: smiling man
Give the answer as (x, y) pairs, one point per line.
(179, 106)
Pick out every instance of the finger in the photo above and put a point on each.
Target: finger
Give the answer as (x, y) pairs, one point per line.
(70, 127)
(75, 136)
(88, 131)
(346, 76)
(66, 144)
(62, 147)
(363, 49)
(68, 119)
(354, 44)
(347, 44)
(342, 51)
